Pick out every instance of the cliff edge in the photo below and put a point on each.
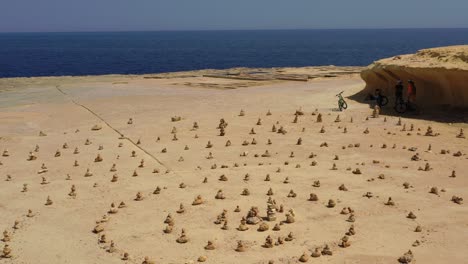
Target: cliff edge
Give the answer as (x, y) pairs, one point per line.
(440, 74)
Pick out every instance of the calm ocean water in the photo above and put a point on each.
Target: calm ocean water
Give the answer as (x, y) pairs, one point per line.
(55, 54)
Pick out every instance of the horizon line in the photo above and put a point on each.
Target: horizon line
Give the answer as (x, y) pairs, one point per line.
(203, 30)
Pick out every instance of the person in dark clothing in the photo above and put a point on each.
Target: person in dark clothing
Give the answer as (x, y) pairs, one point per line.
(378, 97)
(399, 91)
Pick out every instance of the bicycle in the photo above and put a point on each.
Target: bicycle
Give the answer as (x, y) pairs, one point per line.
(380, 99)
(402, 106)
(341, 102)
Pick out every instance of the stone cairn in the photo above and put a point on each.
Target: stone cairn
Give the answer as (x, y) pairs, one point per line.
(376, 111)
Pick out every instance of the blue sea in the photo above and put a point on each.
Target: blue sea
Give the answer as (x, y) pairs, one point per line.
(96, 53)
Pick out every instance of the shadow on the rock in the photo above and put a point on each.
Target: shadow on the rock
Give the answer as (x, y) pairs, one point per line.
(439, 113)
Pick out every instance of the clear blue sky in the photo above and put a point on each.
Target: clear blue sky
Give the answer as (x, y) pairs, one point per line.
(123, 15)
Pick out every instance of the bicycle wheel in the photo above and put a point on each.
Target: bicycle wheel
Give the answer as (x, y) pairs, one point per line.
(401, 107)
(344, 105)
(383, 101)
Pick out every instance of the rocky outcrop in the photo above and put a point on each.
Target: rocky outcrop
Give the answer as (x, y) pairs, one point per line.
(440, 75)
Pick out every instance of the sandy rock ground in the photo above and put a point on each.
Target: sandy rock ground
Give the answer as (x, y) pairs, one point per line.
(387, 154)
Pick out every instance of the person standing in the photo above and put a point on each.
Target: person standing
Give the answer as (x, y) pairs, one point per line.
(411, 92)
(399, 91)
